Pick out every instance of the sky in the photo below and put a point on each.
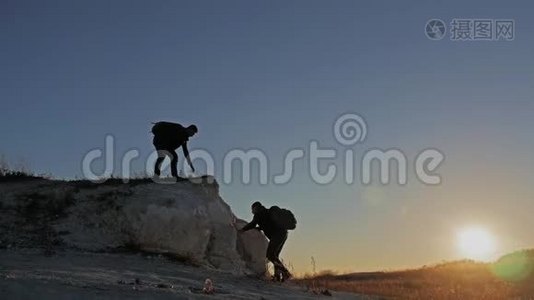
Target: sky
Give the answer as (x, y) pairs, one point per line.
(275, 76)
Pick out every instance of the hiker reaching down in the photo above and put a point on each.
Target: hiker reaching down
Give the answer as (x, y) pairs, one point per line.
(167, 138)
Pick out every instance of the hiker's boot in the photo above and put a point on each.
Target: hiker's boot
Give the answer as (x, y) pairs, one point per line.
(286, 275)
(277, 276)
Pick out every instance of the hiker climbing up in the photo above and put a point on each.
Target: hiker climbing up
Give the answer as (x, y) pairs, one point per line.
(167, 138)
(274, 222)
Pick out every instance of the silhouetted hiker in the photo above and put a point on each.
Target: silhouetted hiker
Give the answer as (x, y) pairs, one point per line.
(274, 222)
(167, 138)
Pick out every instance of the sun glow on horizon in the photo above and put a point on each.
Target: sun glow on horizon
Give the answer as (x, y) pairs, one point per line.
(476, 243)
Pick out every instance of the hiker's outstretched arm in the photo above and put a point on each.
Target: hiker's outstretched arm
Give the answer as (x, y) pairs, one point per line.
(250, 225)
(186, 154)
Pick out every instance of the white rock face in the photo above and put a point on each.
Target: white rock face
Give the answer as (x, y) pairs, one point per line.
(184, 219)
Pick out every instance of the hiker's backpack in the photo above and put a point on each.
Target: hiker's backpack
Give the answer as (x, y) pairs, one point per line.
(166, 128)
(283, 218)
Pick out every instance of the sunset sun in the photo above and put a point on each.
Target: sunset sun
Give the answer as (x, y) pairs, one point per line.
(476, 243)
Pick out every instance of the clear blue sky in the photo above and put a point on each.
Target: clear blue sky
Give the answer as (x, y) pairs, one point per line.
(274, 75)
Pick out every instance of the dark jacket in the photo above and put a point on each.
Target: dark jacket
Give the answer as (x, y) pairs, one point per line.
(262, 219)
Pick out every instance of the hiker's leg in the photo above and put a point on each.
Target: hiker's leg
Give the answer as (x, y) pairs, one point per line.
(161, 158)
(283, 239)
(174, 164)
(273, 250)
(271, 255)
